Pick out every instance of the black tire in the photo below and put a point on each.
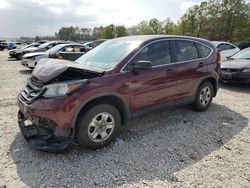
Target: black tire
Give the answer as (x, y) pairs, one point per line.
(19, 56)
(201, 105)
(83, 124)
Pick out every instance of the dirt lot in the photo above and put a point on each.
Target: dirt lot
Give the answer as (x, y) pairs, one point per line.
(171, 148)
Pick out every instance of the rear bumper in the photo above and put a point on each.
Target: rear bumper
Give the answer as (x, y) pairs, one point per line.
(43, 138)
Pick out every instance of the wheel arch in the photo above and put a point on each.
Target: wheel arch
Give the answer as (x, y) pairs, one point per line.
(212, 80)
(110, 98)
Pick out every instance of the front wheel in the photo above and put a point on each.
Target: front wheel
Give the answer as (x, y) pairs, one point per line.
(19, 56)
(98, 126)
(204, 97)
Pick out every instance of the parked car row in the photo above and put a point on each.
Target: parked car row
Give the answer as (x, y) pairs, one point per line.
(3, 45)
(32, 53)
(61, 51)
(226, 49)
(19, 52)
(237, 67)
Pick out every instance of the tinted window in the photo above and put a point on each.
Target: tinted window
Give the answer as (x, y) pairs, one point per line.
(69, 49)
(221, 47)
(77, 48)
(203, 50)
(228, 47)
(185, 50)
(158, 53)
(50, 46)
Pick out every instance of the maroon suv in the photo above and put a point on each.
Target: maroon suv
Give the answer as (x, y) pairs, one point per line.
(87, 101)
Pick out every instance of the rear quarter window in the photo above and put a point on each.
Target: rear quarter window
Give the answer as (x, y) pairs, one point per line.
(203, 50)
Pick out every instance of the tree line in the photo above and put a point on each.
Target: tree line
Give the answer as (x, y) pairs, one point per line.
(227, 20)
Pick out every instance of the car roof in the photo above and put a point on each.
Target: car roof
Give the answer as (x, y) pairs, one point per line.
(143, 39)
(220, 42)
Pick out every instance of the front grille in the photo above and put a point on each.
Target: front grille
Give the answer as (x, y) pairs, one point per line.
(31, 92)
(229, 70)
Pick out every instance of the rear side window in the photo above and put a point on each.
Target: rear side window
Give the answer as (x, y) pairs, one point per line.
(185, 50)
(77, 48)
(228, 47)
(203, 50)
(159, 53)
(221, 47)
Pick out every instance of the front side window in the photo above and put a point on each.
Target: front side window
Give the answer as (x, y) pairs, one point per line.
(158, 53)
(185, 50)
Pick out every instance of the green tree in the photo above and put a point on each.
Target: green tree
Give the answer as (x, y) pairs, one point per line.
(225, 20)
(120, 31)
(108, 32)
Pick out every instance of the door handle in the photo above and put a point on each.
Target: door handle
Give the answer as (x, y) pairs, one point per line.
(169, 72)
(201, 64)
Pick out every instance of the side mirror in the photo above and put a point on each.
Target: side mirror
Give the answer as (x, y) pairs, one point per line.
(140, 65)
(229, 57)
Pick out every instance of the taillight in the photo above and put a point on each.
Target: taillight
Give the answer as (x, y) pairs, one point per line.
(218, 57)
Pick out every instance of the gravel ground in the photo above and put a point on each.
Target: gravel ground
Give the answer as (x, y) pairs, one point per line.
(171, 148)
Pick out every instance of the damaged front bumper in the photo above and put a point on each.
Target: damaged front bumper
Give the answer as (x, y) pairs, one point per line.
(28, 63)
(43, 138)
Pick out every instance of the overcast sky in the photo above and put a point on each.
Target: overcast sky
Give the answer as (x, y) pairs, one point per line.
(45, 17)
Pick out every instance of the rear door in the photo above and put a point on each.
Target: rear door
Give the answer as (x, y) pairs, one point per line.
(155, 86)
(190, 59)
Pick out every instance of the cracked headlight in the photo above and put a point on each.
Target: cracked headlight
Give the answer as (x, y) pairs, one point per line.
(62, 89)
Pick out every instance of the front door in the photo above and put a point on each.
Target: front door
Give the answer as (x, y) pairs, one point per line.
(155, 86)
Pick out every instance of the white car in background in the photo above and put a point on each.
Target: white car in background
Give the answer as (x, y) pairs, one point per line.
(226, 49)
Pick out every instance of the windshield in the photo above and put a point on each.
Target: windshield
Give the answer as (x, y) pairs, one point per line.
(244, 54)
(44, 44)
(108, 54)
(27, 46)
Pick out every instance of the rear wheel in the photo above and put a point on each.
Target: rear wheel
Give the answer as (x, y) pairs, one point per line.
(204, 96)
(98, 126)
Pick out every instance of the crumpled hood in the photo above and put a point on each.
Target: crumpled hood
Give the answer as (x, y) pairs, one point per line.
(29, 55)
(47, 69)
(235, 64)
(17, 50)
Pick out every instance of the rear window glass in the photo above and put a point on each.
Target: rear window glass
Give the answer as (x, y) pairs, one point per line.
(203, 50)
